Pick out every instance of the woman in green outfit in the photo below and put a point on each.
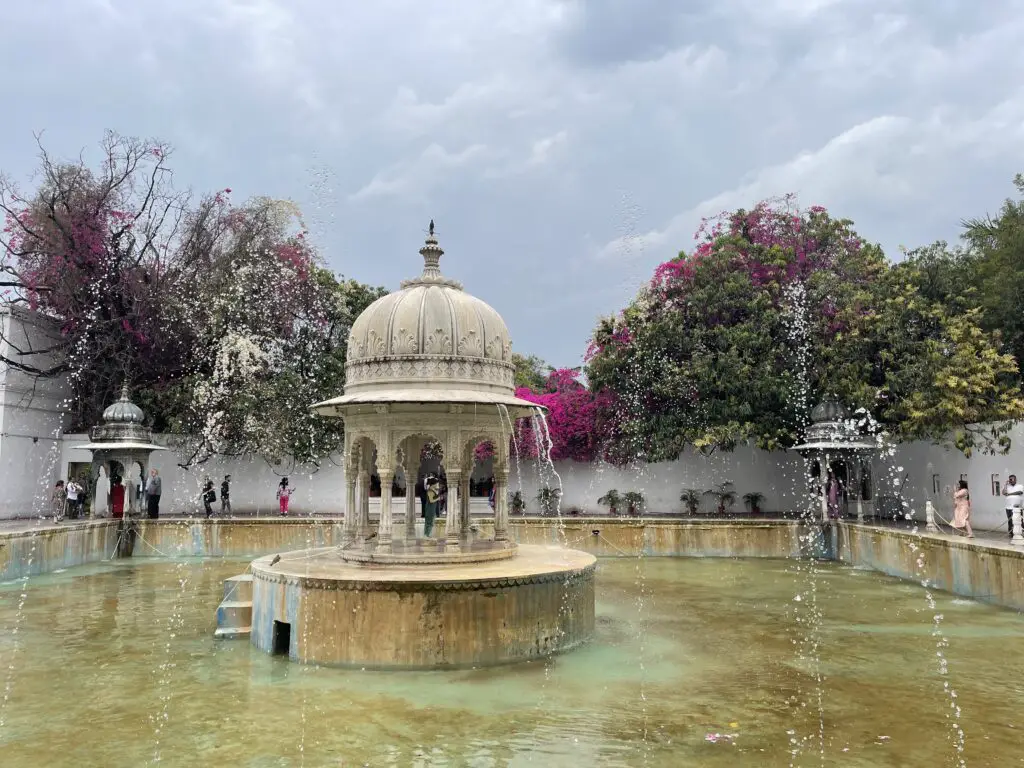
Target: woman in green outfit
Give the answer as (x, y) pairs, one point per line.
(430, 507)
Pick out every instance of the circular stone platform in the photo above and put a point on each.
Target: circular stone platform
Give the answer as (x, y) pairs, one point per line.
(318, 608)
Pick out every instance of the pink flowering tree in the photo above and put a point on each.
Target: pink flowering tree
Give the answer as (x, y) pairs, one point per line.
(91, 250)
(711, 351)
(579, 424)
(775, 308)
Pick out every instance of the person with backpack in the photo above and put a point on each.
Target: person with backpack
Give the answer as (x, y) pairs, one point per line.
(209, 496)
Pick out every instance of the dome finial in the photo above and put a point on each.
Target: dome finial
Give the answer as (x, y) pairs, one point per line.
(124, 391)
(431, 253)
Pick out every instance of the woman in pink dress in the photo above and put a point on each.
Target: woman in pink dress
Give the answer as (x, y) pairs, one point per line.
(962, 509)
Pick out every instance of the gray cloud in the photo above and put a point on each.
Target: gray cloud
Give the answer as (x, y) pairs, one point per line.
(564, 148)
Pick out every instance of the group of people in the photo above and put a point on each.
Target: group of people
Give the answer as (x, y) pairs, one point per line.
(209, 496)
(67, 500)
(1013, 493)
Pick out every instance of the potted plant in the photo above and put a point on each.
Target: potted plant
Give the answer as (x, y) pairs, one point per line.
(517, 504)
(613, 500)
(753, 501)
(548, 499)
(725, 497)
(691, 500)
(634, 502)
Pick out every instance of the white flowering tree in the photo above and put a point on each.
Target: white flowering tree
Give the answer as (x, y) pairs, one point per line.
(221, 316)
(271, 327)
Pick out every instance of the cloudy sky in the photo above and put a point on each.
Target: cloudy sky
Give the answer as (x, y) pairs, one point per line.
(563, 147)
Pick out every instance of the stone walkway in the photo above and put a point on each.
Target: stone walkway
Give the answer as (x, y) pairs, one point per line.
(989, 538)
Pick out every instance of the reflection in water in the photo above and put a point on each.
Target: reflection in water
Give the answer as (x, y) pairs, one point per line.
(718, 658)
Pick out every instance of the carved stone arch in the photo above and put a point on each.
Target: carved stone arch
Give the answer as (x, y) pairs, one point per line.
(362, 450)
(471, 440)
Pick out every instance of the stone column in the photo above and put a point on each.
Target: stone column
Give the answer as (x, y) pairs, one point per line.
(412, 470)
(451, 525)
(387, 476)
(464, 498)
(501, 506)
(1018, 535)
(363, 485)
(349, 524)
(860, 490)
(824, 466)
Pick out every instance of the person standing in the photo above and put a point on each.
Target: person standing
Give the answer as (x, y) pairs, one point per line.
(225, 495)
(283, 494)
(101, 494)
(962, 509)
(153, 490)
(58, 501)
(116, 497)
(833, 497)
(432, 495)
(209, 496)
(74, 492)
(1014, 494)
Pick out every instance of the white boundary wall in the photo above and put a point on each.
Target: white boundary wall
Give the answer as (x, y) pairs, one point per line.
(30, 416)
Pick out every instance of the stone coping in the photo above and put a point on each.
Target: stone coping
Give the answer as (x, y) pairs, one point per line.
(322, 568)
(993, 546)
(21, 526)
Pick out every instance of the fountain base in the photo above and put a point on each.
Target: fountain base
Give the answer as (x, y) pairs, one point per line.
(422, 616)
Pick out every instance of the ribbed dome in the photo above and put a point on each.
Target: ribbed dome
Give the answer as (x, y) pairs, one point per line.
(124, 411)
(431, 334)
(828, 410)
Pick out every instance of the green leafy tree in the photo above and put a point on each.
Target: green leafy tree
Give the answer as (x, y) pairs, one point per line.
(530, 372)
(995, 269)
(942, 376)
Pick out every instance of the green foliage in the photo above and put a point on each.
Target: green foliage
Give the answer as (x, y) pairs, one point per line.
(548, 500)
(995, 269)
(724, 496)
(634, 501)
(612, 499)
(530, 372)
(691, 499)
(517, 504)
(753, 500)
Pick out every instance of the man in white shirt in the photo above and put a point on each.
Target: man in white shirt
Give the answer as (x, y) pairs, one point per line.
(73, 491)
(1014, 494)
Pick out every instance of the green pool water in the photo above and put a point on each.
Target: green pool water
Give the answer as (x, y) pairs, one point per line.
(116, 665)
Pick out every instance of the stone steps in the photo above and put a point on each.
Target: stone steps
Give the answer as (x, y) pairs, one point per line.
(234, 614)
